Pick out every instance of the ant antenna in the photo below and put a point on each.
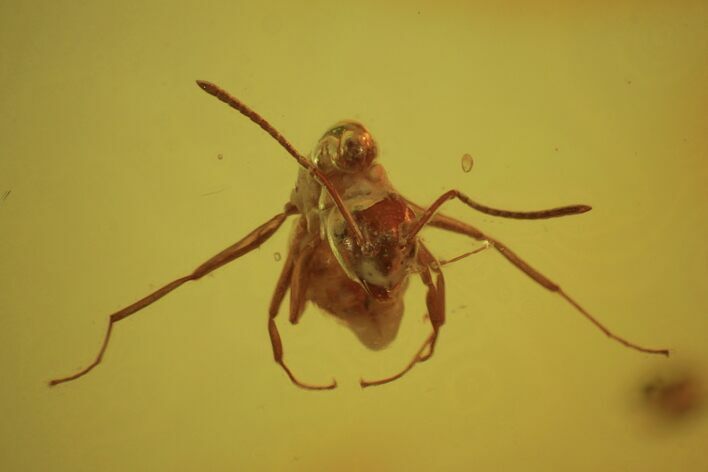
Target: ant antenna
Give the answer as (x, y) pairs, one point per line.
(245, 110)
(519, 215)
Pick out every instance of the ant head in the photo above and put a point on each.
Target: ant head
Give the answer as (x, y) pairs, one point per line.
(383, 266)
(347, 146)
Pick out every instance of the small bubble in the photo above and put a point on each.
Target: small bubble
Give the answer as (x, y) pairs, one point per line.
(276, 256)
(220, 156)
(467, 163)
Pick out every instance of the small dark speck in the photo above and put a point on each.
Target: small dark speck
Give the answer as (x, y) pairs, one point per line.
(5, 195)
(220, 156)
(276, 256)
(418, 12)
(556, 149)
(629, 82)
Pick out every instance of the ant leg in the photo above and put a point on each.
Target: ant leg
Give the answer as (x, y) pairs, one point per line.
(485, 246)
(435, 301)
(285, 281)
(298, 286)
(253, 240)
(456, 226)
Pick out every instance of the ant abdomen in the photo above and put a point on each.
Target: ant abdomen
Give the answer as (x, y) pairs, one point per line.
(347, 147)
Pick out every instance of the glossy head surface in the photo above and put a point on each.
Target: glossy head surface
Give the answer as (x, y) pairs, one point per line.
(347, 146)
(383, 267)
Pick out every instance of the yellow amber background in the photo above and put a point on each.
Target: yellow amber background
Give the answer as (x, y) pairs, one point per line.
(110, 153)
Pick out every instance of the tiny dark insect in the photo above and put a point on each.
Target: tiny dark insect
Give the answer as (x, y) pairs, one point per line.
(354, 246)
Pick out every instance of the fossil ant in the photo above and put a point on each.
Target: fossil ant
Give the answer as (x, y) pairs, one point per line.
(354, 246)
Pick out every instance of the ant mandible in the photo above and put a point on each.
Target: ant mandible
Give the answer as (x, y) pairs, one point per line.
(354, 246)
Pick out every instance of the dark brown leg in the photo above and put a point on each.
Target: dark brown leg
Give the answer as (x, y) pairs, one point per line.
(435, 301)
(286, 280)
(253, 240)
(462, 256)
(298, 287)
(456, 226)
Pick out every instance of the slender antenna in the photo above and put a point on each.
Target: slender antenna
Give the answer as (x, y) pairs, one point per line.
(245, 110)
(522, 215)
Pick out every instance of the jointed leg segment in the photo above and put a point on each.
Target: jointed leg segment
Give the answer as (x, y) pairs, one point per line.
(287, 281)
(253, 240)
(456, 226)
(435, 302)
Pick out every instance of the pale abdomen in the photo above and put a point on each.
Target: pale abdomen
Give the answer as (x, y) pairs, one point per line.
(375, 322)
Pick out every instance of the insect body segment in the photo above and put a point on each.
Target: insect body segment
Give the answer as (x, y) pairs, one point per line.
(389, 255)
(393, 255)
(354, 246)
(346, 154)
(347, 147)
